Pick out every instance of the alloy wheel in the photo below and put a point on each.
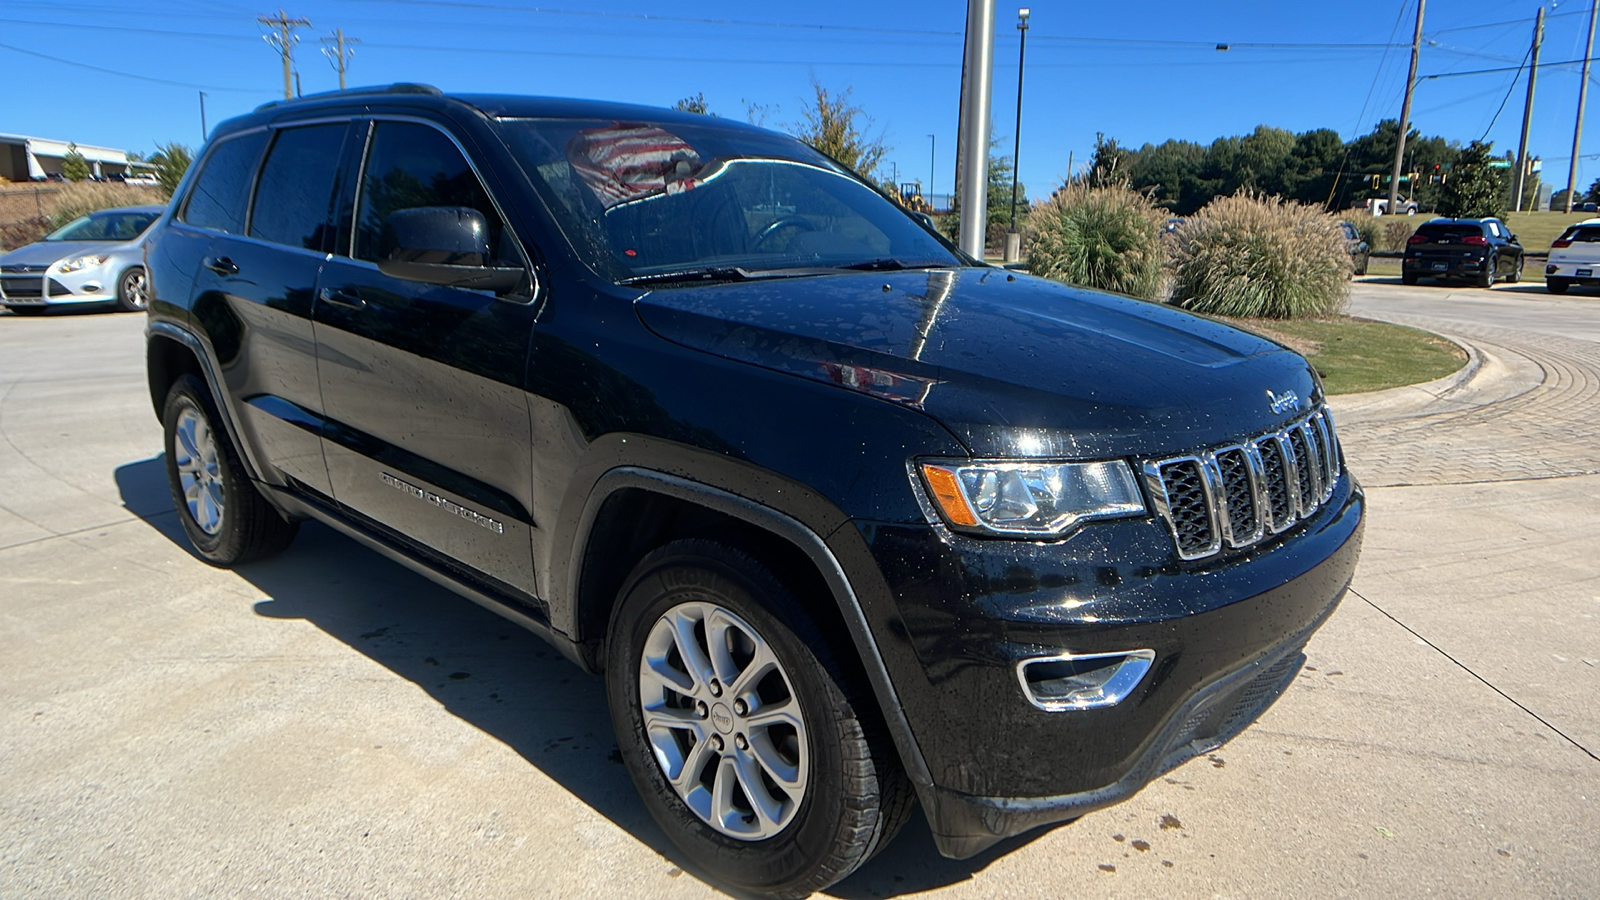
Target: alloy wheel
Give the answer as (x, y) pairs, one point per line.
(199, 470)
(723, 721)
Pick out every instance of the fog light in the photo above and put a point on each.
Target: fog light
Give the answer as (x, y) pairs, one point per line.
(1083, 681)
(1549, 270)
(90, 287)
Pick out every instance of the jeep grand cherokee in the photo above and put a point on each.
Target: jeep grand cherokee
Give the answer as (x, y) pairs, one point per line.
(846, 519)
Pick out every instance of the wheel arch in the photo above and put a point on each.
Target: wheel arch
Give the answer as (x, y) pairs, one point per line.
(633, 510)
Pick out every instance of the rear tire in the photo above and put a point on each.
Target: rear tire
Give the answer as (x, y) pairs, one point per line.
(1408, 278)
(1557, 285)
(785, 781)
(1486, 277)
(227, 520)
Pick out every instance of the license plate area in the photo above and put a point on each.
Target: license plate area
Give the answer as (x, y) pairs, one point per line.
(1441, 266)
(1585, 273)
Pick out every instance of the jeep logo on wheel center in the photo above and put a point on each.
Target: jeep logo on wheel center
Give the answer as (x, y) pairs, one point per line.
(612, 336)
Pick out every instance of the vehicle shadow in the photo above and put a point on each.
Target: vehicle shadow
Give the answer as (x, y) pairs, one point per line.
(493, 675)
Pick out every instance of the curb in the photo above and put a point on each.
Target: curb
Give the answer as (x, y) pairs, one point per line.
(1410, 399)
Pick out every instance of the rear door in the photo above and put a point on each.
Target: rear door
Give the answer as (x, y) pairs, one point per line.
(429, 431)
(254, 297)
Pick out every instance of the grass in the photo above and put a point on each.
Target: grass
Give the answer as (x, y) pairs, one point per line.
(1354, 355)
(1537, 229)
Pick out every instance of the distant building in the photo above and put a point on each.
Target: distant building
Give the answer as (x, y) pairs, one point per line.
(24, 158)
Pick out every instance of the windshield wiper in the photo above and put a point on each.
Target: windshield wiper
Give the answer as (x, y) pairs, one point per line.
(717, 273)
(889, 264)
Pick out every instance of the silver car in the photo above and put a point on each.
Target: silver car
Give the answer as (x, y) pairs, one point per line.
(98, 258)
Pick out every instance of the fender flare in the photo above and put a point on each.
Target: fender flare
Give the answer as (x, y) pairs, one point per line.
(811, 544)
(208, 367)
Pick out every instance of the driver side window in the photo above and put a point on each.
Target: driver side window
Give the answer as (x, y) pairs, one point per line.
(412, 166)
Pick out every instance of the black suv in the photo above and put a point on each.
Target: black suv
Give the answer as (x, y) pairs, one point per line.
(847, 519)
(1482, 250)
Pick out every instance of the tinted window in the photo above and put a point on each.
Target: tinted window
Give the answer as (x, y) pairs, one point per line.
(296, 185)
(1582, 234)
(1434, 232)
(411, 166)
(218, 197)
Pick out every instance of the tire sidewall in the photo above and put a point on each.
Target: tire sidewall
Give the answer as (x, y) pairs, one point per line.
(124, 296)
(779, 861)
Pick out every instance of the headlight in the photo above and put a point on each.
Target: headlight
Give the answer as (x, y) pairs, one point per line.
(79, 263)
(1030, 498)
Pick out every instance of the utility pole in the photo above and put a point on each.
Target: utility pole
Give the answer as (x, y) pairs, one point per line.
(1013, 242)
(283, 41)
(203, 129)
(337, 52)
(1583, 95)
(976, 88)
(933, 168)
(1527, 112)
(1405, 115)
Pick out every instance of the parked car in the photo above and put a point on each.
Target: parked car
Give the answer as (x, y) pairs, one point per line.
(1360, 251)
(1574, 258)
(142, 179)
(1482, 250)
(1379, 206)
(98, 258)
(847, 519)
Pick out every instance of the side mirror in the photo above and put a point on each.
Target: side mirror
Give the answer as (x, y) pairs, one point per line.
(927, 221)
(445, 245)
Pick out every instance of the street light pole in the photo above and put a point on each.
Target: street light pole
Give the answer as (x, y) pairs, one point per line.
(974, 148)
(1016, 137)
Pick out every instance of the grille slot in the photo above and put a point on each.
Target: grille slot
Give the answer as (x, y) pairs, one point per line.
(1189, 507)
(1233, 496)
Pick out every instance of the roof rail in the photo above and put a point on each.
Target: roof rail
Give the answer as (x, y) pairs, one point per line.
(402, 87)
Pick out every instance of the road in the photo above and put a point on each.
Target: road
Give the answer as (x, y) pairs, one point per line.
(329, 724)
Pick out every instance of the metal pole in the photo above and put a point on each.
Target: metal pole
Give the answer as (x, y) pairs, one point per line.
(1016, 137)
(975, 127)
(203, 129)
(1527, 113)
(1583, 95)
(1405, 114)
(933, 169)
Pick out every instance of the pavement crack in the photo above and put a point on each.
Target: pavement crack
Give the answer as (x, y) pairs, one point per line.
(1490, 685)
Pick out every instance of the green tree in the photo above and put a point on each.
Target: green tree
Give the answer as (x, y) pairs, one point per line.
(695, 104)
(1111, 162)
(171, 160)
(73, 166)
(1474, 189)
(1592, 195)
(835, 127)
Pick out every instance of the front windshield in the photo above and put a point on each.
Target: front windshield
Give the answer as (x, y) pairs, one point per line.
(113, 225)
(647, 200)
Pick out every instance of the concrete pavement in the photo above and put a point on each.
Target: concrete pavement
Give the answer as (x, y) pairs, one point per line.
(329, 724)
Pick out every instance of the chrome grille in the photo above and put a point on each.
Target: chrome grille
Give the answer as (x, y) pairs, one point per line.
(1233, 496)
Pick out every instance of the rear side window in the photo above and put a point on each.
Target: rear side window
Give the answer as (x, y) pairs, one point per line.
(411, 166)
(296, 187)
(220, 193)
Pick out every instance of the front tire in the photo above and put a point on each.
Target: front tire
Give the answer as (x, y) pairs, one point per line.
(753, 748)
(133, 291)
(227, 520)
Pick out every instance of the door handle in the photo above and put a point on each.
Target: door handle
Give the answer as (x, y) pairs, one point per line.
(221, 265)
(341, 297)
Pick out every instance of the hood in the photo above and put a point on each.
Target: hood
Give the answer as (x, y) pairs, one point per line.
(1015, 366)
(46, 252)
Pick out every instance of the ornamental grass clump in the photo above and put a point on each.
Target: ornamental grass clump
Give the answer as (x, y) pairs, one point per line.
(1261, 257)
(1098, 237)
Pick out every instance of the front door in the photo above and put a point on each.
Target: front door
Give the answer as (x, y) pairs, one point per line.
(428, 428)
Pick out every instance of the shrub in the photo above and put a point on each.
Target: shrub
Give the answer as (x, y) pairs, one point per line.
(1098, 237)
(1395, 235)
(1367, 227)
(81, 198)
(1261, 257)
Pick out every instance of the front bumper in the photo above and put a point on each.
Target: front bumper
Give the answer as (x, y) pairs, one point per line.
(1227, 636)
(49, 286)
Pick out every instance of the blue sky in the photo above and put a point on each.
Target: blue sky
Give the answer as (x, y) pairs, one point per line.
(1137, 72)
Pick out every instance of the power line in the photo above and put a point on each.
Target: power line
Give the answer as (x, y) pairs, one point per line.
(1509, 88)
(83, 65)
